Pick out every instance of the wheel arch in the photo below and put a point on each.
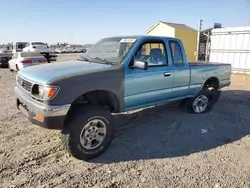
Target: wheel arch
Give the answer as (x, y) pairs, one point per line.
(212, 80)
(103, 98)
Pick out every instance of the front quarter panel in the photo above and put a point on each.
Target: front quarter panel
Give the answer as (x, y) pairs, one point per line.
(73, 86)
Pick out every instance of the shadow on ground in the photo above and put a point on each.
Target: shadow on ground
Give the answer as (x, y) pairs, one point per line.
(164, 131)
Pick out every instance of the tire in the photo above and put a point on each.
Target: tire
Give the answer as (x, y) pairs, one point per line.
(10, 68)
(47, 56)
(78, 124)
(205, 94)
(214, 91)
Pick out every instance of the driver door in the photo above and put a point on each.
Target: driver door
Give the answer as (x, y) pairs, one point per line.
(152, 86)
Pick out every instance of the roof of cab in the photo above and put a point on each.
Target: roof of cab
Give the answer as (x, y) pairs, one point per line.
(143, 37)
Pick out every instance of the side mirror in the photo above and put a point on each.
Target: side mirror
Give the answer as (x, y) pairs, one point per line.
(140, 65)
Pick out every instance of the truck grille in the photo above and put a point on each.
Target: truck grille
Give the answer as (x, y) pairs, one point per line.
(24, 83)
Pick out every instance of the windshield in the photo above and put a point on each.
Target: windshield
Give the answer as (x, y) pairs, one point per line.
(109, 50)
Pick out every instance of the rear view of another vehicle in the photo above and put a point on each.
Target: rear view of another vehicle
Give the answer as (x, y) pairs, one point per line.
(21, 60)
(37, 47)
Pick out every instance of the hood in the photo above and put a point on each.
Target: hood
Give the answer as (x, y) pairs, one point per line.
(46, 72)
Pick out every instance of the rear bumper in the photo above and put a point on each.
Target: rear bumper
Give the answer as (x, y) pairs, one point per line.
(53, 116)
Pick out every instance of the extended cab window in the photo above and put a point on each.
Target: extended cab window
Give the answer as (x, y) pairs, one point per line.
(153, 53)
(176, 53)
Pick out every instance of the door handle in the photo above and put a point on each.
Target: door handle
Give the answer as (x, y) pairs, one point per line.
(167, 74)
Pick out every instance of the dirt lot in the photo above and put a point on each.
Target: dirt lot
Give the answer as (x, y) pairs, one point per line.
(156, 147)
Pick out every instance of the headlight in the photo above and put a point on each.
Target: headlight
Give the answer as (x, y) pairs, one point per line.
(40, 91)
(44, 92)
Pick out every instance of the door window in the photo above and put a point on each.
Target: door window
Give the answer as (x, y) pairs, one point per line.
(152, 52)
(176, 53)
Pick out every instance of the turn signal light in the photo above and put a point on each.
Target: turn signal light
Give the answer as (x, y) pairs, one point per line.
(52, 92)
(39, 117)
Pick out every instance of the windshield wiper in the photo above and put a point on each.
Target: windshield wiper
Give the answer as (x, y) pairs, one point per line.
(107, 62)
(82, 59)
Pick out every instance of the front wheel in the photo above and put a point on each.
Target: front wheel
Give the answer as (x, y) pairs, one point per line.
(88, 133)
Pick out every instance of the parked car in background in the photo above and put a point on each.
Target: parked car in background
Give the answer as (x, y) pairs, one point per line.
(57, 50)
(41, 47)
(21, 60)
(117, 74)
(5, 56)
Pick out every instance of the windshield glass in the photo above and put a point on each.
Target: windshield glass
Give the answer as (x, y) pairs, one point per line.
(109, 50)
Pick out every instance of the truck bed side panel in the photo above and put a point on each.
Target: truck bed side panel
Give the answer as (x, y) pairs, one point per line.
(200, 73)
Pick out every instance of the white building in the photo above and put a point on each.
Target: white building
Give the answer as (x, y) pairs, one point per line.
(231, 45)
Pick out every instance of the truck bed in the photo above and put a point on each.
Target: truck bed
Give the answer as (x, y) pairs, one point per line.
(201, 71)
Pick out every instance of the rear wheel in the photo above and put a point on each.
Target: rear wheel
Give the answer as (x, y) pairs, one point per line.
(87, 134)
(202, 103)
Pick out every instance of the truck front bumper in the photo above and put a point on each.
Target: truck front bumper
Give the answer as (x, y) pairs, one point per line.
(50, 117)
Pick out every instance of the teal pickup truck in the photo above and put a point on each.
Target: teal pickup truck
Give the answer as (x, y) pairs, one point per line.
(117, 74)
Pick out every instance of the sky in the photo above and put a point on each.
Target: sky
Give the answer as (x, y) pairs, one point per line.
(84, 21)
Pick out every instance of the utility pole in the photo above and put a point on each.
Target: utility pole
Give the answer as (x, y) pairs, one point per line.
(198, 39)
(207, 46)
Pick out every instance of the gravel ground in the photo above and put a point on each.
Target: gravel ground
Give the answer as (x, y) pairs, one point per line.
(154, 148)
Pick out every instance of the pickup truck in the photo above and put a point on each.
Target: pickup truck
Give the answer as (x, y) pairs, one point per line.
(117, 74)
